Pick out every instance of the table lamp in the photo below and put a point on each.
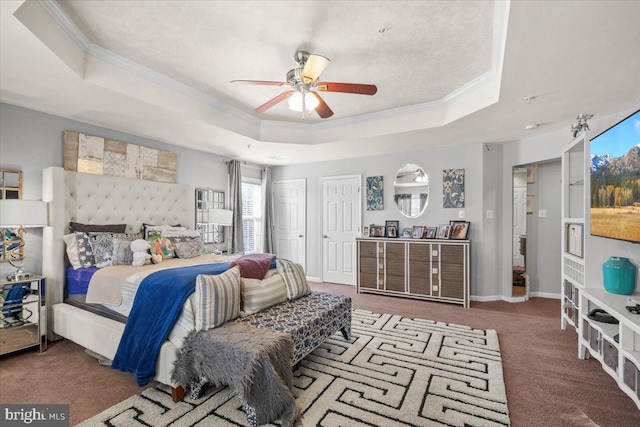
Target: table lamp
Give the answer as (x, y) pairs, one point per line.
(222, 217)
(15, 215)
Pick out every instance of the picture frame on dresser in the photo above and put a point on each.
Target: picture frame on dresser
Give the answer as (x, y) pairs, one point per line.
(443, 231)
(431, 232)
(365, 231)
(417, 232)
(459, 230)
(392, 227)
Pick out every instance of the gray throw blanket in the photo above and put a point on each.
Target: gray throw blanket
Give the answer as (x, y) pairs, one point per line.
(254, 362)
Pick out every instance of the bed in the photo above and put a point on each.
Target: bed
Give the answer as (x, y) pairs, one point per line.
(97, 199)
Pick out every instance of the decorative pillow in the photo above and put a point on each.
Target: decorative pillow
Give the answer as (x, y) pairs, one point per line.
(72, 250)
(260, 294)
(271, 272)
(160, 246)
(177, 236)
(85, 251)
(97, 228)
(254, 266)
(294, 278)
(102, 246)
(122, 254)
(217, 299)
(190, 248)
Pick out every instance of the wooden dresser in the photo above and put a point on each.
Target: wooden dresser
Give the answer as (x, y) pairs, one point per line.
(435, 270)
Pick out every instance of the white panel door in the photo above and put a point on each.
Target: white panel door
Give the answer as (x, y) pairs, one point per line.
(289, 202)
(340, 227)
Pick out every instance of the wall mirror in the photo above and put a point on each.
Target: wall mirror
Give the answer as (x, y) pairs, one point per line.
(411, 190)
(10, 188)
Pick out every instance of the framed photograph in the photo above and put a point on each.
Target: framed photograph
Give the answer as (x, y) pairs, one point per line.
(531, 200)
(406, 232)
(431, 233)
(417, 232)
(574, 239)
(443, 231)
(372, 230)
(378, 231)
(392, 227)
(365, 231)
(459, 230)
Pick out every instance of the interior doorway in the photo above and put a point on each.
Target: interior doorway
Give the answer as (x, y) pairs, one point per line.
(289, 203)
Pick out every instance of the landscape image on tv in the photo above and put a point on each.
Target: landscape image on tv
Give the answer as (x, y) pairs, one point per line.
(615, 181)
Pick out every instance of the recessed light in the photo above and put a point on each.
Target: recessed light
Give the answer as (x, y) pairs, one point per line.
(532, 127)
(383, 30)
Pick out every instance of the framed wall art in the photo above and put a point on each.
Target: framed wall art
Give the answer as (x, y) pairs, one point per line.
(375, 193)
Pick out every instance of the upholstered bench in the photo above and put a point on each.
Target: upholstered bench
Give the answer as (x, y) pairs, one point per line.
(310, 320)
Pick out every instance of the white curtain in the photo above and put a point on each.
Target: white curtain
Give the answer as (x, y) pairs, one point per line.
(267, 214)
(235, 204)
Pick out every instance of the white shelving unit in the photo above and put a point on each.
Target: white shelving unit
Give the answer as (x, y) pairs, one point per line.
(575, 160)
(615, 346)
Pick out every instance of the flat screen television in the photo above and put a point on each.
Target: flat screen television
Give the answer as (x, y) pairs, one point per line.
(615, 181)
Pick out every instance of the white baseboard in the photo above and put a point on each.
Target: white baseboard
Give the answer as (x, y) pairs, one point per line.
(545, 295)
(314, 279)
(486, 298)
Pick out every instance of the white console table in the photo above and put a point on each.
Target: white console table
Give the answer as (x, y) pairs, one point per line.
(619, 359)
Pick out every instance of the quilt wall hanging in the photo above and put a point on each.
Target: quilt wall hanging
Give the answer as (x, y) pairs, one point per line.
(453, 188)
(102, 156)
(375, 193)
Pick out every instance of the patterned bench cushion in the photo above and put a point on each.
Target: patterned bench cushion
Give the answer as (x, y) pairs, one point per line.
(310, 320)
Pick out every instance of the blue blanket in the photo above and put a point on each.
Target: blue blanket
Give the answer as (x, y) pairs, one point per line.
(155, 311)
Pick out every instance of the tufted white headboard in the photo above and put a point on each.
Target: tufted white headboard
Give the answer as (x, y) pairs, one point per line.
(98, 199)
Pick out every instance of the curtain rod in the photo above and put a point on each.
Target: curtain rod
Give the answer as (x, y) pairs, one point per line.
(243, 163)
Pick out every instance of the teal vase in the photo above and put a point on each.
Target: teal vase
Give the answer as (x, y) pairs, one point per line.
(619, 275)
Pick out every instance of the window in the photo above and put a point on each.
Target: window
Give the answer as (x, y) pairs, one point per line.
(252, 215)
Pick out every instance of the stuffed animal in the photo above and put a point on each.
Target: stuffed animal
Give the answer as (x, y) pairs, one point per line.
(156, 259)
(140, 249)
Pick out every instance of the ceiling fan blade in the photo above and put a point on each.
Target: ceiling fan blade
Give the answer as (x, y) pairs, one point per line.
(322, 109)
(260, 82)
(264, 107)
(314, 66)
(358, 88)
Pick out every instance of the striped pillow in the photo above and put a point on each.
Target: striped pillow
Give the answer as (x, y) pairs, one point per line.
(217, 299)
(294, 278)
(260, 294)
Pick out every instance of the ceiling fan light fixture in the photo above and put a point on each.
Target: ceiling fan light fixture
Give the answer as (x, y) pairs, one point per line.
(296, 101)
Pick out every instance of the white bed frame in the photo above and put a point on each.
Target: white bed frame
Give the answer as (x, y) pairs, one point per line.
(98, 199)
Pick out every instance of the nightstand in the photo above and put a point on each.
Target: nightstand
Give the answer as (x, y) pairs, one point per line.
(23, 316)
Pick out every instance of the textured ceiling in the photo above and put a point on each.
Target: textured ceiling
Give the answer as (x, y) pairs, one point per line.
(429, 49)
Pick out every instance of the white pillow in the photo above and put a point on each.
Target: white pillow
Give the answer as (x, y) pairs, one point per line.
(217, 299)
(72, 250)
(260, 294)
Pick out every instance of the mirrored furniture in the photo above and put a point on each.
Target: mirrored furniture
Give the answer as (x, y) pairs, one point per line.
(411, 190)
(22, 315)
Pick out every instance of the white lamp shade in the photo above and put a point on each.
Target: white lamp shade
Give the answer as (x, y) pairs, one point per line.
(221, 216)
(23, 213)
(310, 101)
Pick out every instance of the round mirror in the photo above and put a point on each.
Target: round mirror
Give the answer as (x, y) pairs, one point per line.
(411, 190)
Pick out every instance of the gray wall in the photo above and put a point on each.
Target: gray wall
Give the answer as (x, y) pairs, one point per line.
(433, 161)
(32, 141)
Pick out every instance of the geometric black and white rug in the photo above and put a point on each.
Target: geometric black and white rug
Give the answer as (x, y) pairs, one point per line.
(395, 371)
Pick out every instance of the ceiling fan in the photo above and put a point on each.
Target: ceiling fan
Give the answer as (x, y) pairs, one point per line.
(305, 86)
